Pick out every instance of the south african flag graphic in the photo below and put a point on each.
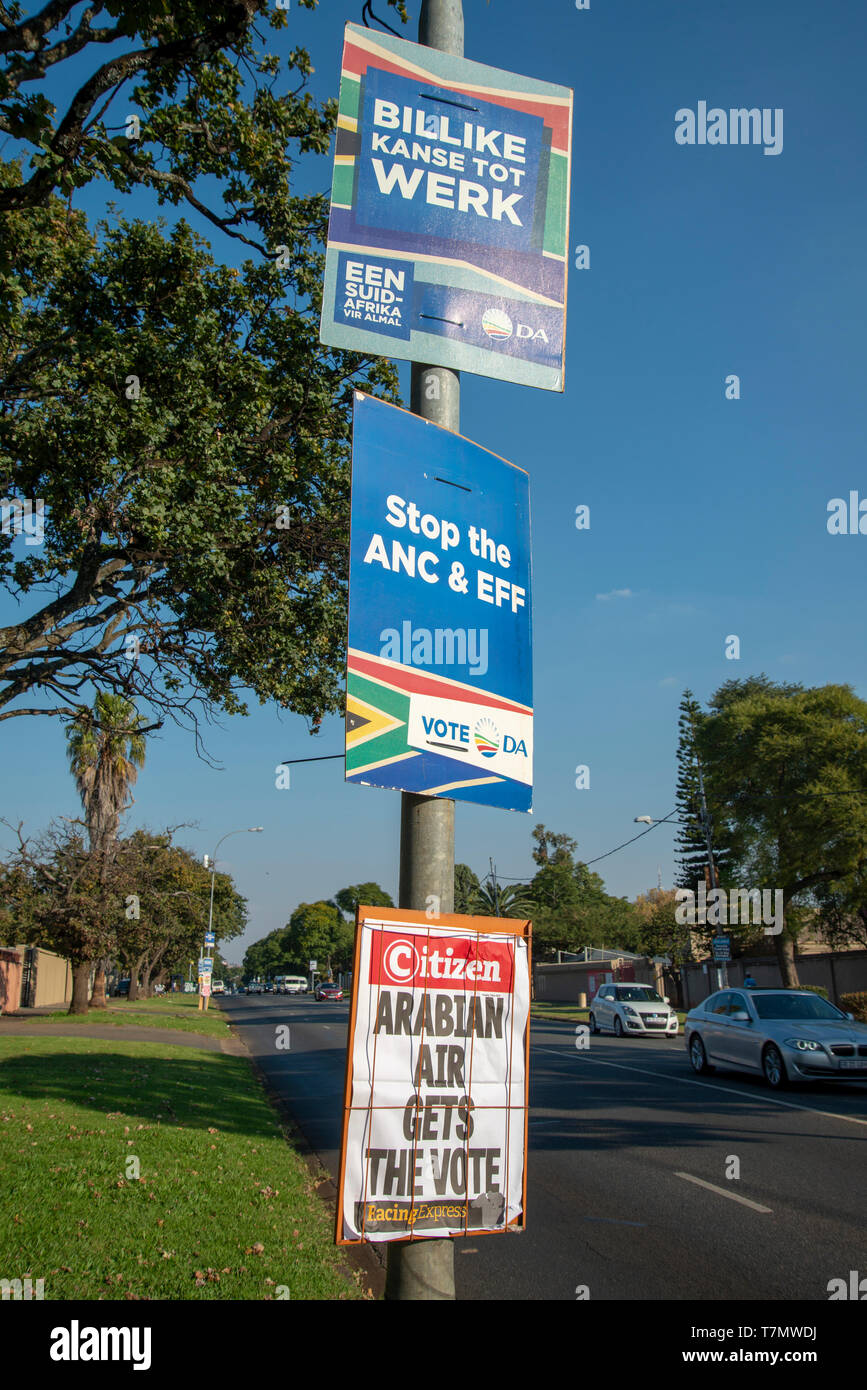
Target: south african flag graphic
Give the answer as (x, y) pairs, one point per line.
(409, 730)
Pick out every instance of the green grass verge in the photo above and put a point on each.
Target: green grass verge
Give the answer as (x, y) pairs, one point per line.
(145, 1014)
(160, 1001)
(223, 1206)
(570, 1013)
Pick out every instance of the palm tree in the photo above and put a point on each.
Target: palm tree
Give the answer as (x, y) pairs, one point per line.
(490, 900)
(105, 751)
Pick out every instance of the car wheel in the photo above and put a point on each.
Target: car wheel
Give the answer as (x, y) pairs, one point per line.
(774, 1068)
(618, 1027)
(594, 1027)
(698, 1056)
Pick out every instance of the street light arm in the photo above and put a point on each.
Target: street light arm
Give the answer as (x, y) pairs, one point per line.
(248, 830)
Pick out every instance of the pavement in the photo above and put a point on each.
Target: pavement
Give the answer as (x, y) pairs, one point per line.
(631, 1186)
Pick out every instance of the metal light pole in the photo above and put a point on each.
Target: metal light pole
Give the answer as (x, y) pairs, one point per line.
(425, 1269)
(249, 830)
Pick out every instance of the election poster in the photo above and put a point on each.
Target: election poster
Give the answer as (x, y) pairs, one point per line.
(439, 666)
(448, 234)
(435, 1111)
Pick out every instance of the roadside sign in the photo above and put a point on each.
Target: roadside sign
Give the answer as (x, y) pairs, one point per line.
(206, 965)
(206, 988)
(209, 938)
(722, 948)
(439, 665)
(435, 1112)
(449, 228)
(314, 965)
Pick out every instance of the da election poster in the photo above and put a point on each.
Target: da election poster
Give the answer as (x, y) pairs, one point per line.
(439, 666)
(435, 1113)
(448, 236)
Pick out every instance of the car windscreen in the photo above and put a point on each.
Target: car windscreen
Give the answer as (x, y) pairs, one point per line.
(634, 994)
(810, 1006)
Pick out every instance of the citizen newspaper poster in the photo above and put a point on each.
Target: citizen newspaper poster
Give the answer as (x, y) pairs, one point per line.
(448, 236)
(439, 687)
(435, 1118)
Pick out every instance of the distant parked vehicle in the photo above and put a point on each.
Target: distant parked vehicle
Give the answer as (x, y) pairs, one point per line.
(784, 1034)
(121, 989)
(623, 1009)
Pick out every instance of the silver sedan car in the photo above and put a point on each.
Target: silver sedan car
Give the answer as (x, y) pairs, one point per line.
(784, 1034)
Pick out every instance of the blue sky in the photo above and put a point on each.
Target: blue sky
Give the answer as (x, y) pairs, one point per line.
(710, 513)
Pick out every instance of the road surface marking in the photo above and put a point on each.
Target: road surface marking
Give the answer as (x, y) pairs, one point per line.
(613, 1221)
(732, 1196)
(709, 1086)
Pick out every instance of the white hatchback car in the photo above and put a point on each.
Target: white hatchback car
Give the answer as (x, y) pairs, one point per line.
(632, 1009)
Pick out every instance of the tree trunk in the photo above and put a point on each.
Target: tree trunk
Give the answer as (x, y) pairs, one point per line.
(133, 978)
(97, 998)
(784, 945)
(80, 988)
(154, 973)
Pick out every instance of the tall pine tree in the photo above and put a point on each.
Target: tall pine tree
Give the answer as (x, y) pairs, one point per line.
(691, 844)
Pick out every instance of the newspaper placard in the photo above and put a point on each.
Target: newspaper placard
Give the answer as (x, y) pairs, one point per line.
(434, 1134)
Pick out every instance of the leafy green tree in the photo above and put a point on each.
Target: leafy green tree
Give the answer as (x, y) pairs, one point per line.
(572, 908)
(789, 767)
(646, 903)
(368, 894)
(841, 910)
(318, 931)
(105, 749)
(61, 896)
(166, 906)
(466, 884)
(271, 956)
(660, 934)
(184, 428)
(213, 130)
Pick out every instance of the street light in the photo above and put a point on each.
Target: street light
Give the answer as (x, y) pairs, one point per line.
(249, 830)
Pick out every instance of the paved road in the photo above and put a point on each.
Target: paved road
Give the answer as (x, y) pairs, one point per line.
(618, 1137)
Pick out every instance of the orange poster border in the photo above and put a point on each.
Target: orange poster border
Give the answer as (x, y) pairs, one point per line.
(490, 926)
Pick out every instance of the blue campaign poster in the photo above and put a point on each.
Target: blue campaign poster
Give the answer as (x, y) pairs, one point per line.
(439, 667)
(448, 235)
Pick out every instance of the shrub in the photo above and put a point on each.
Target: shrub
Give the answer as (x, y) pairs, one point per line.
(855, 1004)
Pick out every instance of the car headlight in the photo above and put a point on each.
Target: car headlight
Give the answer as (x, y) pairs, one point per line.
(628, 1010)
(804, 1045)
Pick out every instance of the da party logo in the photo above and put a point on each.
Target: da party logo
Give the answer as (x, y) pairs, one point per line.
(497, 324)
(487, 737)
(487, 740)
(440, 962)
